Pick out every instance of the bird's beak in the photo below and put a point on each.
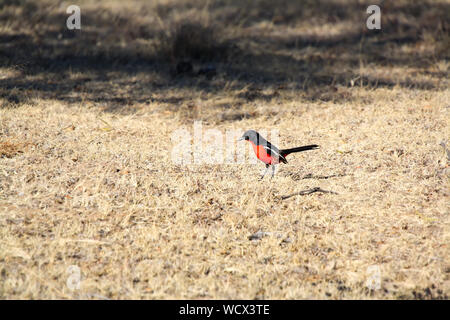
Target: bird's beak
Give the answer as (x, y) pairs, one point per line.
(241, 138)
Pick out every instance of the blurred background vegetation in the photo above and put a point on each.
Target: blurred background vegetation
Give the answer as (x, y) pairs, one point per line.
(130, 52)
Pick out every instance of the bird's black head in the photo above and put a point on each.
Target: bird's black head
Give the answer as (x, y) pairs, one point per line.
(251, 135)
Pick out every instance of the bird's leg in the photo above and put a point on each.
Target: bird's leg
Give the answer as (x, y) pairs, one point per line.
(265, 171)
(273, 171)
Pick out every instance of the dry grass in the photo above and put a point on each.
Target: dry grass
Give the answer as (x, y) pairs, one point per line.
(9, 149)
(191, 40)
(96, 187)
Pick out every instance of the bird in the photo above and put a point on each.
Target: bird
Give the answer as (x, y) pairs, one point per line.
(268, 153)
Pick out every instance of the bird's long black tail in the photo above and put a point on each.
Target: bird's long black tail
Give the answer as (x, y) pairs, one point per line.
(285, 152)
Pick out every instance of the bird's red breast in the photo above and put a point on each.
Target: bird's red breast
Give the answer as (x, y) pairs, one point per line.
(262, 154)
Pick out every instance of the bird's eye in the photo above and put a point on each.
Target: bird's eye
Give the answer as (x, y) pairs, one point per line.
(246, 138)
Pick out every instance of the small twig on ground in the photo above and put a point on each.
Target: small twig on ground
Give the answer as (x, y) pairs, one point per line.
(310, 176)
(308, 191)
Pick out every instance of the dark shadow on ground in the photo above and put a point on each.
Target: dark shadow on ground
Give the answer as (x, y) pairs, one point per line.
(115, 59)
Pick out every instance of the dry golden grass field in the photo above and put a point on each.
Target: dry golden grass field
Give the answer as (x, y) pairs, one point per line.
(88, 181)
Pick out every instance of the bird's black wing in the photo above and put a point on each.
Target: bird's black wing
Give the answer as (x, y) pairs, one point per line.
(274, 152)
